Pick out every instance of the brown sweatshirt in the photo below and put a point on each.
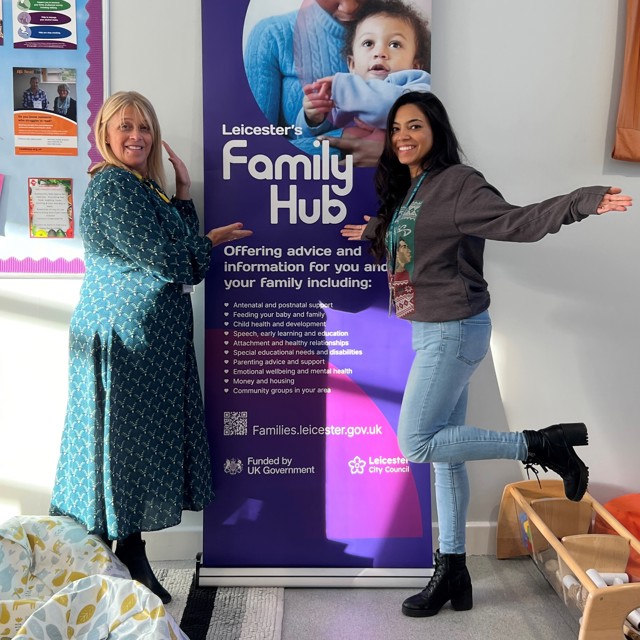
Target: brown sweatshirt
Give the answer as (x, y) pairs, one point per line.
(459, 210)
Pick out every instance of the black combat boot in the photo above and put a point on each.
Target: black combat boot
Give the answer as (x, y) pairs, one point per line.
(552, 448)
(131, 552)
(450, 581)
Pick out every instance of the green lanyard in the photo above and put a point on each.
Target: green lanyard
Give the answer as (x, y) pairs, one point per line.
(391, 240)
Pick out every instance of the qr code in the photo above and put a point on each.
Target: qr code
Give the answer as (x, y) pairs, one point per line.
(235, 423)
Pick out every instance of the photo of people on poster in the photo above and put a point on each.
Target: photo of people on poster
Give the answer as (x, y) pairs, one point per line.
(45, 111)
(45, 89)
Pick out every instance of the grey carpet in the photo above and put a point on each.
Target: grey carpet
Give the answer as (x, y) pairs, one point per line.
(222, 613)
(511, 600)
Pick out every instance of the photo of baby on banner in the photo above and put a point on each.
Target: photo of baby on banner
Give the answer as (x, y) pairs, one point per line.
(331, 70)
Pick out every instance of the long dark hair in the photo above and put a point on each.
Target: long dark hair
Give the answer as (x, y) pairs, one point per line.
(392, 178)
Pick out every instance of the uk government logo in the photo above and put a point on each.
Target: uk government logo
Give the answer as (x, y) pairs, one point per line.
(233, 466)
(378, 465)
(279, 465)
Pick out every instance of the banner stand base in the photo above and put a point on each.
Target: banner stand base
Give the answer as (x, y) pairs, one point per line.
(319, 577)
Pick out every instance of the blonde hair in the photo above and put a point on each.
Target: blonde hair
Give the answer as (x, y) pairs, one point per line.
(114, 106)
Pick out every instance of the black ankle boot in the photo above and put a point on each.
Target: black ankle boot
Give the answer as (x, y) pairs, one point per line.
(552, 448)
(450, 581)
(133, 555)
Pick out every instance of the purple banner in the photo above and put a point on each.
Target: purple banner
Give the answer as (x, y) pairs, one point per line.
(305, 368)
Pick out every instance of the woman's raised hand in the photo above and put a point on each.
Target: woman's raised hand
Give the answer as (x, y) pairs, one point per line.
(354, 231)
(613, 200)
(183, 181)
(228, 233)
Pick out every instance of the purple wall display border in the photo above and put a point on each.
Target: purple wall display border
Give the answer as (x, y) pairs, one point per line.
(95, 58)
(44, 266)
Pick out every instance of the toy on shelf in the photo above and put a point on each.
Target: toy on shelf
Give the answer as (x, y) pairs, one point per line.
(536, 519)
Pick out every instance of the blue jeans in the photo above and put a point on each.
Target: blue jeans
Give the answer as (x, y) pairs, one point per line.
(432, 417)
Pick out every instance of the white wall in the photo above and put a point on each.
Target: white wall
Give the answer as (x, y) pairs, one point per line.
(532, 90)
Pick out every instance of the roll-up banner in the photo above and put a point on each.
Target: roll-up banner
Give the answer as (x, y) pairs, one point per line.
(305, 367)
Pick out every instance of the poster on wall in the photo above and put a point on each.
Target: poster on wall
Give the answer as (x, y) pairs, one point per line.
(55, 89)
(44, 124)
(50, 208)
(305, 367)
(45, 24)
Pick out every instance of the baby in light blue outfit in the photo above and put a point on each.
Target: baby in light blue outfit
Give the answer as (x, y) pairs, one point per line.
(388, 50)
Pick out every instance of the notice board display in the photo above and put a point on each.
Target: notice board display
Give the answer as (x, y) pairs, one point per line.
(52, 56)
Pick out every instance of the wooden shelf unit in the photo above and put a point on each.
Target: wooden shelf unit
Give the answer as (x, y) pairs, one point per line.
(536, 519)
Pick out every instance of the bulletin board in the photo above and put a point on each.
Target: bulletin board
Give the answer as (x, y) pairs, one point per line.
(53, 59)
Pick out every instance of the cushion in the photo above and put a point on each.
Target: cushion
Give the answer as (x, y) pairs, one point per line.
(626, 510)
(99, 607)
(39, 556)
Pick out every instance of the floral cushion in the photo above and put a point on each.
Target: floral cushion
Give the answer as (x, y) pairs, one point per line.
(100, 607)
(46, 566)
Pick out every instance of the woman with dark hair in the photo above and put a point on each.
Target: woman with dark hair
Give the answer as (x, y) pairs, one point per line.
(444, 211)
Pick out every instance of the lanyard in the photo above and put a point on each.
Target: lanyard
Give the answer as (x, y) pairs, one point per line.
(164, 197)
(391, 239)
(392, 233)
(150, 185)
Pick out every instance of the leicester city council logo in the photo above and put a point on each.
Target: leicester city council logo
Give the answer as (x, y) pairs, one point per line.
(233, 466)
(357, 465)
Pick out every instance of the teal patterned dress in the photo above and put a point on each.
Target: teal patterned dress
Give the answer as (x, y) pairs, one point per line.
(134, 450)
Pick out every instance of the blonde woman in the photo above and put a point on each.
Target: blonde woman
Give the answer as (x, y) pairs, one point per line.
(134, 451)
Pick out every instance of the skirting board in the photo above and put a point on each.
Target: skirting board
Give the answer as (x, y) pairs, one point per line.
(185, 542)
